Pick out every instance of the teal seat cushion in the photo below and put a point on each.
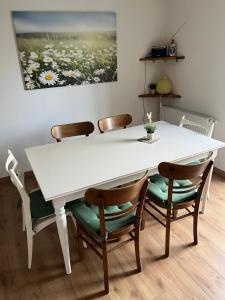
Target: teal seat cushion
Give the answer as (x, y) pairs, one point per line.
(88, 215)
(158, 188)
(38, 206)
(195, 162)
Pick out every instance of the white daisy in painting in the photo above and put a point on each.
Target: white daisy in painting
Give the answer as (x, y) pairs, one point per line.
(62, 82)
(97, 79)
(46, 52)
(22, 55)
(29, 70)
(30, 85)
(72, 73)
(54, 65)
(34, 66)
(27, 78)
(48, 77)
(47, 59)
(99, 72)
(77, 73)
(66, 59)
(57, 54)
(33, 55)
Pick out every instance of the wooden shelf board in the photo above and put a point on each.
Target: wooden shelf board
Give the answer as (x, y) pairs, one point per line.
(159, 95)
(165, 58)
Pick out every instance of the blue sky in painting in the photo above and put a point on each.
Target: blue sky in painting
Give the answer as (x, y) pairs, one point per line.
(43, 21)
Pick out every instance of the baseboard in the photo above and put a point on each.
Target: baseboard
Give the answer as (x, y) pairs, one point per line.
(219, 172)
(7, 178)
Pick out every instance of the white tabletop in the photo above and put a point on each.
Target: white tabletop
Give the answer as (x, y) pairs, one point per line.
(77, 164)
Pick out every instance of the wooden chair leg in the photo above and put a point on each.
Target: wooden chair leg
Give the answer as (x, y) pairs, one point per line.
(137, 248)
(80, 243)
(105, 266)
(74, 221)
(167, 243)
(195, 225)
(143, 222)
(175, 213)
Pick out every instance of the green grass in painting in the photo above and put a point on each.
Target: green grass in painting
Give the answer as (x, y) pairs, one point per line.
(60, 59)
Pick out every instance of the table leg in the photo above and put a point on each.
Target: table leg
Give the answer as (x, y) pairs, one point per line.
(61, 222)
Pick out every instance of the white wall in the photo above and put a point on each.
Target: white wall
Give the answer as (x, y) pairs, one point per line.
(27, 116)
(200, 78)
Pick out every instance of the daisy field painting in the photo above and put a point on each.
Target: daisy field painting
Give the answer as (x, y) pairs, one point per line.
(66, 48)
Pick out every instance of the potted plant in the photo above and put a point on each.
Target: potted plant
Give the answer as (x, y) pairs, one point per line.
(152, 88)
(150, 128)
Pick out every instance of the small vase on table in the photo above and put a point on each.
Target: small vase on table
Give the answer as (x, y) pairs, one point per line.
(151, 136)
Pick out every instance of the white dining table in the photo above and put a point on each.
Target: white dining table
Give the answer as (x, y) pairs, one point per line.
(65, 170)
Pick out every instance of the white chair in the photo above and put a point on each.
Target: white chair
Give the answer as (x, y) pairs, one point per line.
(207, 131)
(37, 213)
(15, 166)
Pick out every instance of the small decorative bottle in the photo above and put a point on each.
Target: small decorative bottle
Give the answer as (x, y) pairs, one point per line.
(172, 48)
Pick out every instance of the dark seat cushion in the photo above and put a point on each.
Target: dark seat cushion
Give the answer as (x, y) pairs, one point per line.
(158, 188)
(38, 206)
(88, 215)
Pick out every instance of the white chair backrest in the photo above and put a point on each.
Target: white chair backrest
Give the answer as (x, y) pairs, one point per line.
(12, 164)
(17, 178)
(206, 130)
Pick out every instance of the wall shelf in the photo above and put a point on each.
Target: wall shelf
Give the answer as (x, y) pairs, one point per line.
(160, 96)
(165, 58)
(171, 95)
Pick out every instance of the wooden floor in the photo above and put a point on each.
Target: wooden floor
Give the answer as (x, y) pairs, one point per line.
(191, 272)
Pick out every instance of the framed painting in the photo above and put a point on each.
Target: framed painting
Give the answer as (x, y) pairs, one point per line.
(66, 48)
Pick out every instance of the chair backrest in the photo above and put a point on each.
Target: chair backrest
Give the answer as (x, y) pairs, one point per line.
(74, 129)
(206, 130)
(110, 123)
(195, 173)
(134, 192)
(17, 178)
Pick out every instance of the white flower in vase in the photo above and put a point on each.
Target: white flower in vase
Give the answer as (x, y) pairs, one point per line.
(149, 116)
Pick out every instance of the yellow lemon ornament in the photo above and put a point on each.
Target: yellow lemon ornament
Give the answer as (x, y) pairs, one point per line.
(164, 86)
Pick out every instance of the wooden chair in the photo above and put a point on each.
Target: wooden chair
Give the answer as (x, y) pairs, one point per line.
(110, 123)
(74, 129)
(37, 213)
(108, 214)
(177, 187)
(205, 130)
